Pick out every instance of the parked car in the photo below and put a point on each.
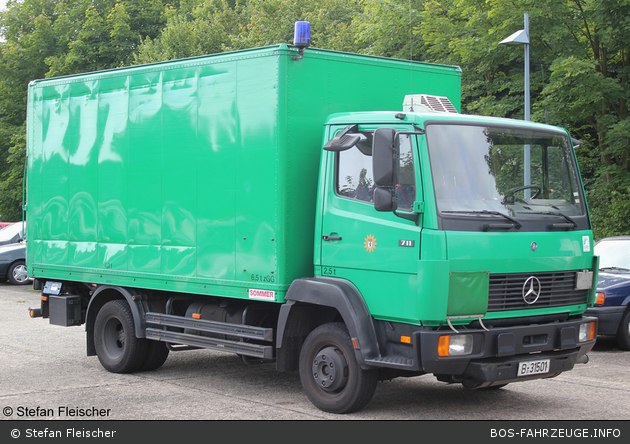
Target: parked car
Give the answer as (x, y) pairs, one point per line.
(613, 289)
(13, 233)
(13, 263)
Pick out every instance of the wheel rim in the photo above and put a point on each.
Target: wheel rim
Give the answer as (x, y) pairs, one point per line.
(19, 274)
(114, 338)
(330, 369)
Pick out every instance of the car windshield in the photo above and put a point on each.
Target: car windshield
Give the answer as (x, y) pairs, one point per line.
(9, 232)
(613, 254)
(521, 172)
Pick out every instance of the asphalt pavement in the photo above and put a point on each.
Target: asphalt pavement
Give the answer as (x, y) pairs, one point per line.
(46, 375)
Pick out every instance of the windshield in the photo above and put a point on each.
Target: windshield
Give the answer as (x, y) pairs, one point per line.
(517, 172)
(613, 254)
(10, 232)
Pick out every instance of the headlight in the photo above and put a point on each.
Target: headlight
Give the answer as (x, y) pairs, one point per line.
(455, 345)
(587, 332)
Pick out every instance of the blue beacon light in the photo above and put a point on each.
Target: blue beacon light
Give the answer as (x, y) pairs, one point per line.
(302, 36)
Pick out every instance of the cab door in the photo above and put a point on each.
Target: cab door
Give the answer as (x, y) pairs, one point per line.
(377, 251)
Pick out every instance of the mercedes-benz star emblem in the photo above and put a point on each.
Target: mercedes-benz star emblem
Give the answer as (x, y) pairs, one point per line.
(531, 290)
(534, 246)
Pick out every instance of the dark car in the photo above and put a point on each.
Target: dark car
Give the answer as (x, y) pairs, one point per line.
(613, 289)
(13, 263)
(13, 233)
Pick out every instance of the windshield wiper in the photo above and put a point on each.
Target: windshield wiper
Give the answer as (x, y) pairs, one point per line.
(486, 227)
(613, 269)
(571, 224)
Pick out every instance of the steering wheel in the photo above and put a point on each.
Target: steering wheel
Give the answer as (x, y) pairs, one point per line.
(524, 187)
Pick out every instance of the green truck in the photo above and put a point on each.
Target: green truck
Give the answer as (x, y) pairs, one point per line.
(328, 212)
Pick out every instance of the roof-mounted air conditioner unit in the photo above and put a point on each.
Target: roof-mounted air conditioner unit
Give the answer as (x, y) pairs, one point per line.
(414, 103)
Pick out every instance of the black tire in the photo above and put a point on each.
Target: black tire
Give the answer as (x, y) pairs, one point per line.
(117, 347)
(16, 274)
(157, 352)
(343, 387)
(623, 332)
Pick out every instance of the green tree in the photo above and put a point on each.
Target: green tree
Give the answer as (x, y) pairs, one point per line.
(220, 25)
(103, 34)
(272, 21)
(580, 50)
(28, 39)
(207, 28)
(388, 28)
(588, 91)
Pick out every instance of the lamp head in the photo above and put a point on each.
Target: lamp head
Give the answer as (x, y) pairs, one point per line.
(518, 38)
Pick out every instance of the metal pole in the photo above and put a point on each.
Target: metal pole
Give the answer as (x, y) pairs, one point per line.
(527, 160)
(527, 116)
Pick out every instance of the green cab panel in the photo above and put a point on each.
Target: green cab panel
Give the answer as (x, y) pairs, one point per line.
(482, 265)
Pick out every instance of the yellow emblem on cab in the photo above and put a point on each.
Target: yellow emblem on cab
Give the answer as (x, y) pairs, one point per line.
(369, 243)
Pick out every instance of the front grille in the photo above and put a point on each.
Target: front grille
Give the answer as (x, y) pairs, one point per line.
(557, 290)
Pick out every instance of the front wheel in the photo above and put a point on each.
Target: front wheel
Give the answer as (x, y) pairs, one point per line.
(623, 332)
(333, 380)
(117, 347)
(17, 274)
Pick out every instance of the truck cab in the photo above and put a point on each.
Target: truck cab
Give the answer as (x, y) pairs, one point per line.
(467, 238)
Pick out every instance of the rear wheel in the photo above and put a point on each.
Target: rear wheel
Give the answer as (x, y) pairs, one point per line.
(333, 380)
(117, 347)
(623, 332)
(157, 352)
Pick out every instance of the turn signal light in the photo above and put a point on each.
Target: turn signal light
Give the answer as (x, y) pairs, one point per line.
(601, 297)
(587, 332)
(35, 312)
(443, 344)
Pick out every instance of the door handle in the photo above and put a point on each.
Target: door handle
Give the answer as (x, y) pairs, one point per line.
(327, 237)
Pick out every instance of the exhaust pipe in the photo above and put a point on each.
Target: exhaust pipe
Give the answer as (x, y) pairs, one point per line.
(582, 359)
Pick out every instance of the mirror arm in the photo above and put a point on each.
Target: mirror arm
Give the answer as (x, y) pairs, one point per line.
(414, 217)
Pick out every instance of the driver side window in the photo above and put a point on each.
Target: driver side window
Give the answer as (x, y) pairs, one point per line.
(354, 175)
(406, 187)
(356, 181)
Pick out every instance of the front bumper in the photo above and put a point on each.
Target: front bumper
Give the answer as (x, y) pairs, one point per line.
(608, 318)
(498, 352)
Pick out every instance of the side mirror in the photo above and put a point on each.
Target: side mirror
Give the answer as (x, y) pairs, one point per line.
(383, 156)
(383, 199)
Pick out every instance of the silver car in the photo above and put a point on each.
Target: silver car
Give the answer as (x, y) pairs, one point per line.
(13, 233)
(13, 263)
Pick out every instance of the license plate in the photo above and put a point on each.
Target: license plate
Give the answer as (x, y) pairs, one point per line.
(533, 367)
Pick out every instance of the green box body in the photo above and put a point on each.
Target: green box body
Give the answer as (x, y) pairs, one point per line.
(197, 175)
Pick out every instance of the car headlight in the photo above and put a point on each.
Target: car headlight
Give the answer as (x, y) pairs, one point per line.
(455, 345)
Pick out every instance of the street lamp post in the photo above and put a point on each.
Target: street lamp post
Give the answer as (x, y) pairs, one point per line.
(521, 37)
